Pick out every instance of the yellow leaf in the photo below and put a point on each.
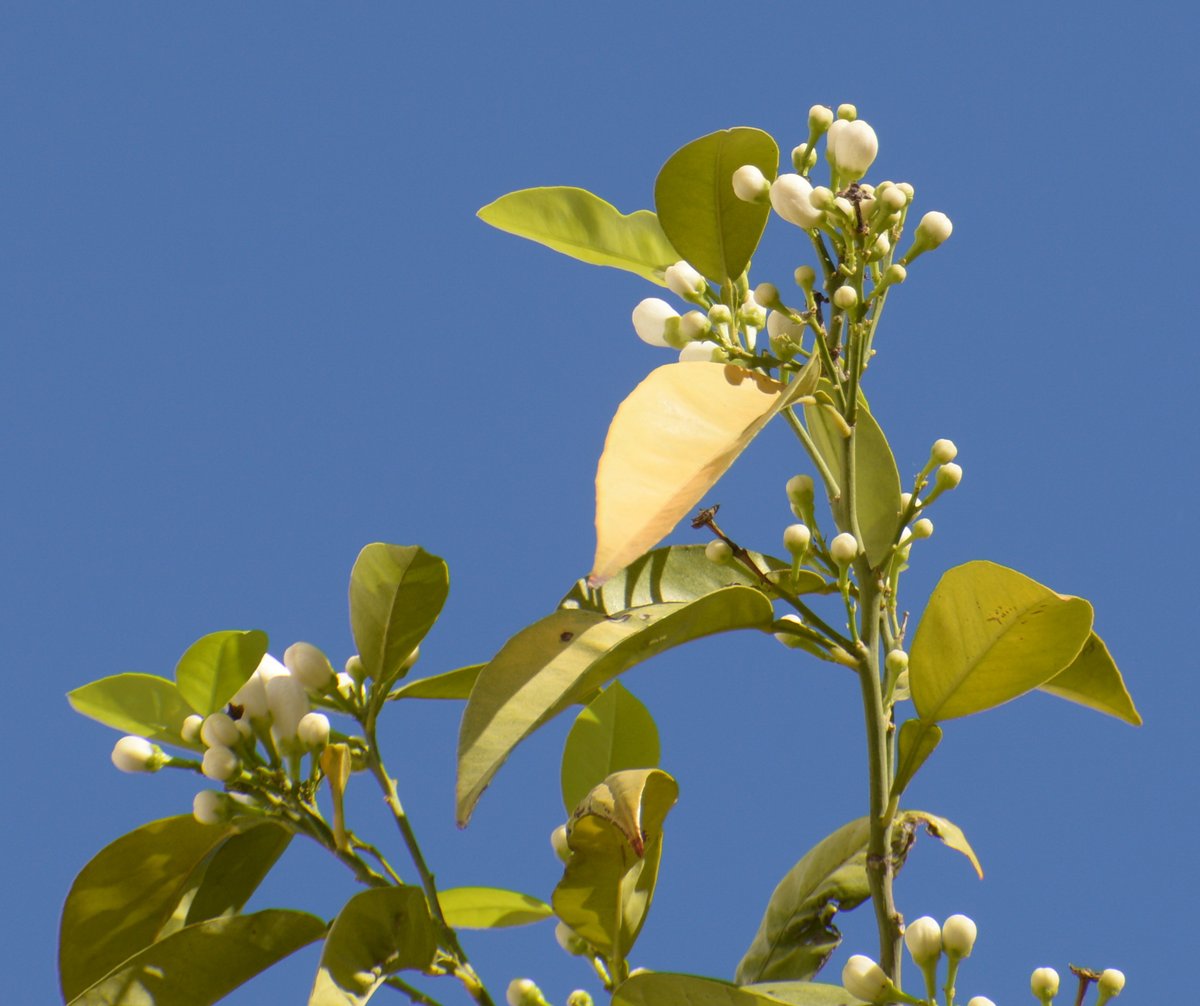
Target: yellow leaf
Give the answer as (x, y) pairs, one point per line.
(671, 439)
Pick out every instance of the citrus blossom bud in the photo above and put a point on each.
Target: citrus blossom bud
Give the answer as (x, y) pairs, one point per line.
(803, 159)
(923, 936)
(895, 662)
(786, 336)
(523, 992)
(893, 198)
(210, 807)
(796, 538)
(800, 488)
(847, 112)
(948, 476)
(1044, 983)
(922, 528)
(703, 352)
(766, 295)
(693, 326)
(309, 666)
(719, 314)
(805, 276)
(346, 685)
(789, 639)
(820, 118)
(943, 451)
(863, 978)
(558, 842)
(651, 319)
(750, 185)
(844, 548)
(907, 189)
(218, 730)
(1111, 983)
(581, 997)
(933, 229)
(845, 297)
(136, 754)
(313, 731)
(980, 1001)
(851, 147)
(958, 936)
(822, 198)
(570, 940)
(220, 764)
(288, 702)
(791, 198)
(356, 668)
(718, 551)
(682, 279)
(189, 730)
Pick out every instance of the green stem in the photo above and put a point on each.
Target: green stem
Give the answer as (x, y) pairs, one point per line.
(414, 994)
(831, 486)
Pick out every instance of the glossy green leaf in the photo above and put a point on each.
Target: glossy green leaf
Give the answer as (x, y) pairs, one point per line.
(614, 732)
(577, 223)
(805, 993)
(214, 667)
(234, 871)
(565, 658)
(456, 684)
(702, 217)
(490, 908)
(988, 635)
(202, 964)
(947, 832)
(615, 837)
(121, 900)
(915, 744)
(1093, 680)
(877, 480)
(396, 594)
(142, 704)
(378, 932)
(661, 988)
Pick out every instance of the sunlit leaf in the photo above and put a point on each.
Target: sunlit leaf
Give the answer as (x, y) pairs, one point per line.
(614, 732)
(1093, 680)
(378, 932)
(142, 704)
(704, 220)
(670, 441)
(805, 993)
(396, 594)
(235, 870)
(665, 989)
(122, 899)
(490, 908)
(577, 223)
(988, 635)
(214, 667)
(201, 964)
(565, 658)
(456, 684)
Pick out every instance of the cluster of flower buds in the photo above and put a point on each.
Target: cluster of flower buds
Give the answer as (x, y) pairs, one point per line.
(1044, 984)
(927, 943)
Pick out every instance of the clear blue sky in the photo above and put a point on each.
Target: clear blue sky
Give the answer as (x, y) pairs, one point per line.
(251, 323)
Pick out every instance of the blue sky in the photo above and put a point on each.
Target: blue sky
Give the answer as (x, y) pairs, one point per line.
(251, 324)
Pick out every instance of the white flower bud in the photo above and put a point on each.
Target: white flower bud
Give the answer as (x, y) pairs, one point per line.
(803, 159)
(718, 551)
(750, 185)
(822, 198)
(943, 451)
(862, 977)
(313, 731)
(844, 206)
(907, 189)
(347, 687)
(906, 498)
(1044, 983)
(800, 488)
(845, 297)
(252, 696)
(893, 198)
(1110, 984)
(719, 314)
(851, 147)
(580, 997)
(210, 807)
(288, 702)
(948, 476)
(895, 273)
(356, 668)
(881, 246)
(820, 118)
(683, 279)
(797, 538)
(189, 731)
(791, 198)
(847, 111)
(558, 842)
(788, 639)
(523, 992)
(958, 936)
(751, 313)
(766, 295)
(805, 276)
(935, 227)
(570, 940)
(218, 730)
(786, 336)
(923, 936)
(922, 528)
(136, 754)
(694, 326)
(702, 352)
(895, 662)
(980, 1001)
(220, 764)
(651, 320)
(309, 666)
(844, 548)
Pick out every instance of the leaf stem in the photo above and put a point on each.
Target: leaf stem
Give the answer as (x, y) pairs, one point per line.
(831, 486)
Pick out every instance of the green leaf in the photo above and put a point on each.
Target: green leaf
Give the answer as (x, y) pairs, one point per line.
(615, 837)
(456, 684)
(947, 832)
(702, 217)
(565, 658)
(234, 871)
(614, 732)
(214, 667)
(577, 223)
(665, 989)
(877, 480)
(396, 594)
(202, 964)
(805, 993)
(1093, 680)
(988, 635)
(142, 704)
(378, 932)
(916, 743)
(490, 908)
(122, 899)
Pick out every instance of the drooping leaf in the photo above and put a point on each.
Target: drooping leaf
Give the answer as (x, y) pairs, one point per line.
(671, 440)
(396, 594)
(214, 667)
(613, 733)
(915, 744)
(142, 704)
(947, 832)
(703, 218)
(806, 993)
(456, 684)
(877, 480)
(665, 989)
(122, 899)
(615, 837)
(201, 964)
(564, 658)
(1093, 680)
(988, 635)
(235, 869)
(378, 932)
(490, 908)
(577, 223)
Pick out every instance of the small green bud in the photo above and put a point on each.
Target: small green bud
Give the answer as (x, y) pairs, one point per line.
(943, 452)
(907, 189)
(895, 662)
(718, 551)
(822, 198)
(847, 113)
(767, 295)
(581, 998)
(719, 314)
(893, 198)
(1111, 983)
(1044, 984)
(805, 277)
(800, 487)
(948, 476)
(820, 118)
(356, 669)
(694, 326)
(880, 247)
(922, 528)
(750, 185)
(845, 297)
(931, 232)
(210, 807)
(797, 538)
(523, 992)
(751, 313)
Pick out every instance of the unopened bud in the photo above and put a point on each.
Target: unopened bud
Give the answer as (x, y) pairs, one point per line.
(847, 112)
(845, 297)
(356, 668)
(786, 336)
(701, 352)
(958, 936)
(844, 548)
(288, 702)
(863, 978)
(923, 936)
(313, 731)
(766, 295)
(845, 207)
(893, 198)
(851, 147)
(797, 538)
(210, 807)
(309, 666)
(570, 940)
(805, 277)
(943, 452)
(789, 639)
(523, 992)
(980, 1001)
(820, 118)
(895, 662)
(1044, 983)
(558, 842)
(803, 159)
(683, 279)
(694, 326)
(922, 528)
(907, 189)
(791, 198)
(580, 997)
(948, 476)
(218, 730)
(800, 488)
(718, 551)
(750, 185)
(347, 687)
(719, 314)
(1110, 983)
(651, 320)
(881, 246)
(220, 764)
(822, 198)
(136, 754)
(933, 229)
(189, 730)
